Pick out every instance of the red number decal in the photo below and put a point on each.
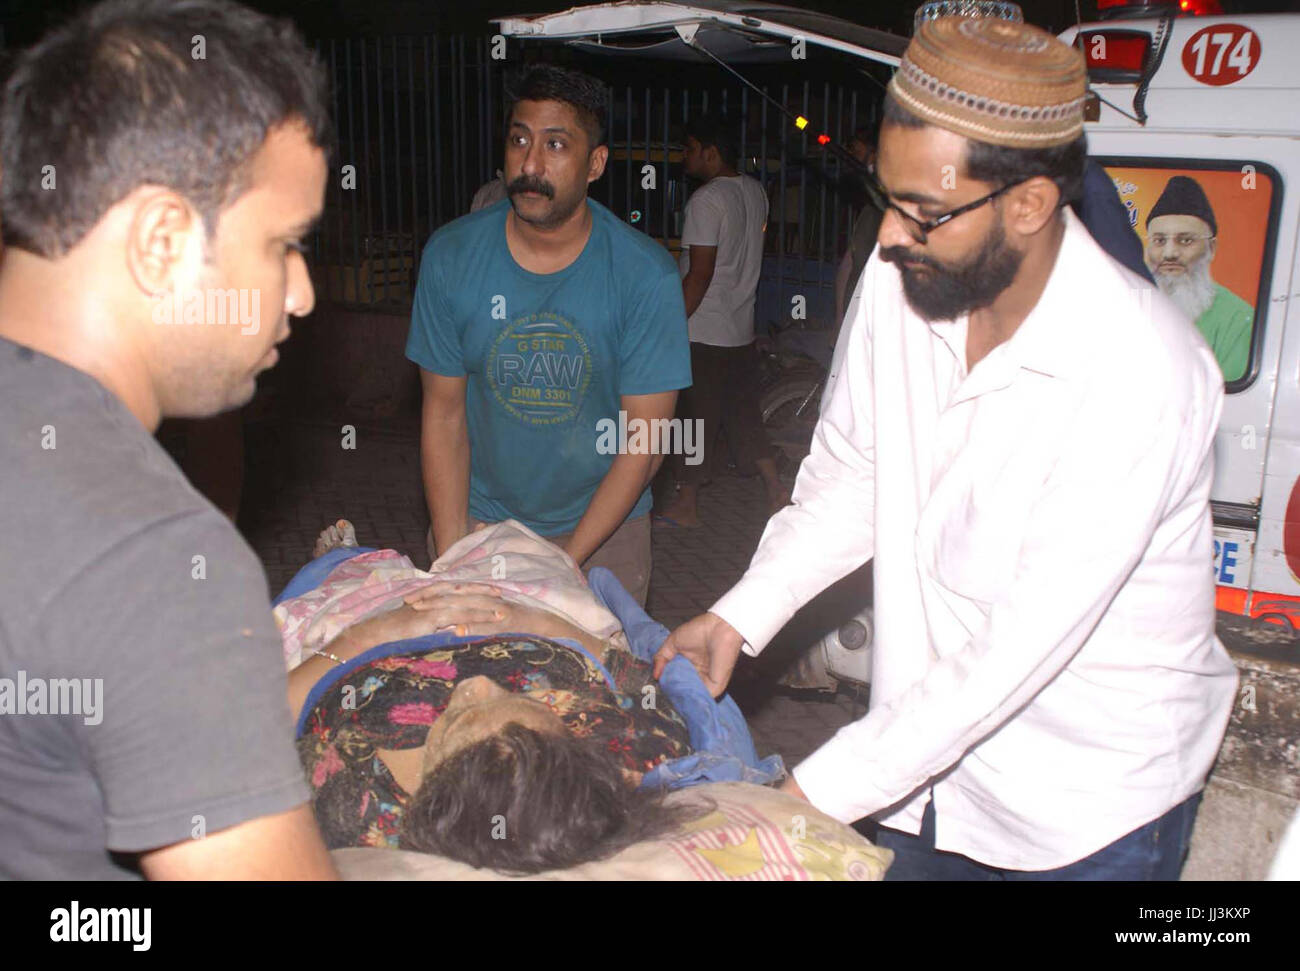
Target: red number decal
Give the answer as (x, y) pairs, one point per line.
(1221, 54)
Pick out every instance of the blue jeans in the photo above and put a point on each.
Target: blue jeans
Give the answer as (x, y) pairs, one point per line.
(1152, 852)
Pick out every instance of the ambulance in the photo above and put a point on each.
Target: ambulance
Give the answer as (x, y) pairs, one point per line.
(1209, 100)
(1217, 100)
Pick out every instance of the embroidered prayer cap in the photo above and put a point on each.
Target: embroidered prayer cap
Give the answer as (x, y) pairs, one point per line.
(1183, 196)
(993, 81)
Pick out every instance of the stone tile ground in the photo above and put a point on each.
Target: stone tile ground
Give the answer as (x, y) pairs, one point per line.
(299, 478)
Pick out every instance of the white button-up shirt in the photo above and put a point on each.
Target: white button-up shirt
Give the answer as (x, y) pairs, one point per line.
(1045, 656)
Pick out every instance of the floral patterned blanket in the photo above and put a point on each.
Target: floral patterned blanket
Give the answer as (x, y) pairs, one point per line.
(389, 697)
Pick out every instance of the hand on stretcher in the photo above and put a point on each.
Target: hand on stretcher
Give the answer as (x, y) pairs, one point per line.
(480, 610)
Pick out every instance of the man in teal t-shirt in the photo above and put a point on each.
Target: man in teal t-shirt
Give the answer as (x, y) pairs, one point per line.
(539, 323)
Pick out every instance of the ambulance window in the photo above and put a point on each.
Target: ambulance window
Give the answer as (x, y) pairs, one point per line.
(1208, 232)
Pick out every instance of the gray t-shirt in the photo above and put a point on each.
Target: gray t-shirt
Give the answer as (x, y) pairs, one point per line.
(115, 572)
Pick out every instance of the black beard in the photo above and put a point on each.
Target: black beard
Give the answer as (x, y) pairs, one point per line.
(945, 292)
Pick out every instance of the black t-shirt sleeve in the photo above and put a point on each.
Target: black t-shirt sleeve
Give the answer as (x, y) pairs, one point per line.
(194, 733)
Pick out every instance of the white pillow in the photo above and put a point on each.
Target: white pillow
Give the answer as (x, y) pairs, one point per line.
(756, 833)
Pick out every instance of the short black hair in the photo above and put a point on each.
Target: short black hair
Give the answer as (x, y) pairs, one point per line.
(123, 95)
(581, 92)
(524, 802)
(1001, 165)
(714, 131)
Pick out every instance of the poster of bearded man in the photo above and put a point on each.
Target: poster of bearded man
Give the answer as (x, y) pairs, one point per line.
(1203, 241)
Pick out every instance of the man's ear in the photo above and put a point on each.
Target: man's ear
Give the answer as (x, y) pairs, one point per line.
(596, 162)
(164, 233)
(1033, 204)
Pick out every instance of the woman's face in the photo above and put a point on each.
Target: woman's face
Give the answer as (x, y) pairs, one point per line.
(477, 710)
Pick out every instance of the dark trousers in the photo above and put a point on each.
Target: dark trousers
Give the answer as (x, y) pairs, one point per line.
(725, 397)
(1152, 852)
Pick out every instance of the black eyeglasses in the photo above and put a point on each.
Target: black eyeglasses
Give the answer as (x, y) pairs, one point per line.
(920, 229)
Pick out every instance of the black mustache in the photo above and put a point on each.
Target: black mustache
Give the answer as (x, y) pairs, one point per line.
(901, 254)
(526, 184)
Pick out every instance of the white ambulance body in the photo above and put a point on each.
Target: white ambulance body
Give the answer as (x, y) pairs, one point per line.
(1223, 106)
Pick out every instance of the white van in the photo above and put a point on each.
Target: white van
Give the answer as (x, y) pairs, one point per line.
(1217, 104)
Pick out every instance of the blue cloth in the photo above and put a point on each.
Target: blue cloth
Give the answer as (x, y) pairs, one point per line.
(724, 750)
(1109, 221)
(1152, 852)
(547, 357)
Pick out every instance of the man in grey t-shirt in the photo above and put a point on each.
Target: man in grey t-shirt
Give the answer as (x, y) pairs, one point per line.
(144, 722)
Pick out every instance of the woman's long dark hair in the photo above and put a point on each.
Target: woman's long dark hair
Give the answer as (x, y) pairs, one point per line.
(523, 802)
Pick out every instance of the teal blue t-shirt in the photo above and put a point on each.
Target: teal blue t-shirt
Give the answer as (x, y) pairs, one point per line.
(547, 356)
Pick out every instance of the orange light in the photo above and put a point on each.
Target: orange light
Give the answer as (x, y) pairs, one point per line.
(823, 139)
(801, 123)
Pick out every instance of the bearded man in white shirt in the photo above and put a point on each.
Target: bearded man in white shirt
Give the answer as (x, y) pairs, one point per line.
(1048, 692)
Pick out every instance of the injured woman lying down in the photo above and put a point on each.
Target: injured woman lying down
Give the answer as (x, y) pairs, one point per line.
(497, 709)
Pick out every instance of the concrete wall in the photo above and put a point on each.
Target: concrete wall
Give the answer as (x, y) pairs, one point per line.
(1254, 790)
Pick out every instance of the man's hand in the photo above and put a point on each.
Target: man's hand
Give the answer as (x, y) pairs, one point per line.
(435, 593)
(699, 275)
(626, 479)
(708, 642)
(479, 610)
(444, 457)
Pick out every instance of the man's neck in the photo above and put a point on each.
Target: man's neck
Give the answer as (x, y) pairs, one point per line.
(41, 307)
(548, 249)
(997, 323)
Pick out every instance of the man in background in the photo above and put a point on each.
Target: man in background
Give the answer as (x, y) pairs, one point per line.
(489, 193)
(722, 256)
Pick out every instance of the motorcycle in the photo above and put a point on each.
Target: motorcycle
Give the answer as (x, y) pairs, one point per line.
(795, 368)
(793, 375)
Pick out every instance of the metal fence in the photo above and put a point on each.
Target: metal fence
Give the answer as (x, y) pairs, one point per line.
(420, 125)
